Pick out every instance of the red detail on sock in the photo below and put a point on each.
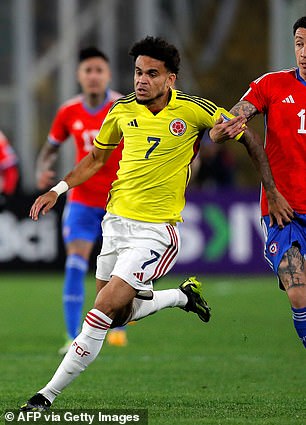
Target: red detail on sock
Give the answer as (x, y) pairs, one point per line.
(96, 321)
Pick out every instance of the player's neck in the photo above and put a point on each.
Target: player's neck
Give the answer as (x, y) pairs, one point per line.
(92, 101)
(160, 103)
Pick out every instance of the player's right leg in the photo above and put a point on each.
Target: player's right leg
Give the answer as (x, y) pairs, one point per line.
(113, 298)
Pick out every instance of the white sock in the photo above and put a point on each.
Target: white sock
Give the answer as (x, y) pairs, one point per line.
(161, 300)
(82, 352)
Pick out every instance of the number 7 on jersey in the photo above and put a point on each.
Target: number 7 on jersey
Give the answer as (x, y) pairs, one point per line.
(156, 141)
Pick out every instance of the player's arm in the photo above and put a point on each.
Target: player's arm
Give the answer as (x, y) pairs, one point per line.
(84, 169)
(46, 159)
(279, 209)
(10, 178)
(245, 109)
(225, 129)
(88, 166)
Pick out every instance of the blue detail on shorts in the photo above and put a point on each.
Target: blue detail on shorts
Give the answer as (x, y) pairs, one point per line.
(279, 241)
(147, 263)
(82, 222)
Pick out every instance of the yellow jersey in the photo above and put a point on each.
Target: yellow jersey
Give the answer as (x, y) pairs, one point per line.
(158, 150)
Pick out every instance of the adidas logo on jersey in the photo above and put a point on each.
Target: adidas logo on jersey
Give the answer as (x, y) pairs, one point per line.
(133, 123)
(288, 99)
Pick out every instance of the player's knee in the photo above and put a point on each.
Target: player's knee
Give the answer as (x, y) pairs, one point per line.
(111, 306)
(297, 296)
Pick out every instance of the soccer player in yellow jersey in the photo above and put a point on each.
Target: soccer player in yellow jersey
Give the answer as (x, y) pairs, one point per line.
(162, 128)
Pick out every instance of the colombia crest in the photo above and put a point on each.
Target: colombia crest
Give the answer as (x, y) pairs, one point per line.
(177, 127)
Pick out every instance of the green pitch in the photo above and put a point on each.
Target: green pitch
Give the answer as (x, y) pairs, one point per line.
(245, 367)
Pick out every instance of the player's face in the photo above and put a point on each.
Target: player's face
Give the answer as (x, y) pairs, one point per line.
(94, 76)
(300, 50)
(152, 82)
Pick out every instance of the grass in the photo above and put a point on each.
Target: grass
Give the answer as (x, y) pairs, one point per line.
(245, 367)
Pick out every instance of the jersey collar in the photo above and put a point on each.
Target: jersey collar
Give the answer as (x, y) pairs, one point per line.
(299, 78)
(99, 107)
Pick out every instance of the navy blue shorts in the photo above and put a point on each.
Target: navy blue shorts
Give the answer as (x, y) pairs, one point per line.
(82, 222)
(278, 241)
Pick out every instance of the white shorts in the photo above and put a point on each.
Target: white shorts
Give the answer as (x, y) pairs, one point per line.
(136, 251)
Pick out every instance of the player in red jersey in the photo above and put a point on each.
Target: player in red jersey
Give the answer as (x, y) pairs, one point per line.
(280, 97)
(9, 173)
(81, 117)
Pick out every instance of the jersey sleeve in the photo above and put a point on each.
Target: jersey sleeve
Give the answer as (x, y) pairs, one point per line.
(59, 131)
(110, 132)
(256, 94)
(212, 113)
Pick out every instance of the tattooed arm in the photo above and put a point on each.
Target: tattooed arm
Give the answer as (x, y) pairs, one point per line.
(245, 109)
(279, 209)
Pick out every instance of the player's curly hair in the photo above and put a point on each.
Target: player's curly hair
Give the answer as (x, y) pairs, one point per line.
(300, 23)
(158, 48)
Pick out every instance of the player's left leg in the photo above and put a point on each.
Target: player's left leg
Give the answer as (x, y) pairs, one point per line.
(81, 230)
(292, 274)
(76, 266)
(188, 296)
(285, 251)
(148, 258)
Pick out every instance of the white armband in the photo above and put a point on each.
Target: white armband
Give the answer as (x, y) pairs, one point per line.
(60, 188)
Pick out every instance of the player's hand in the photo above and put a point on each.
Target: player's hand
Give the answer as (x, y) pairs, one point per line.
(227, 129)
(280, 211)
(43, 204)
(45, 179)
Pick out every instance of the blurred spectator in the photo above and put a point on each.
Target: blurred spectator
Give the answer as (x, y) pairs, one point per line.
(215, 166)
(9, 173)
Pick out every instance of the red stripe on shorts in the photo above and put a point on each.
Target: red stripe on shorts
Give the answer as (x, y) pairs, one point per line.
(168, 256)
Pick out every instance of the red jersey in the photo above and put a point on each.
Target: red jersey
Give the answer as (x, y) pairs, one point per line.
(75, 119)
(280, 96)
(8, 167)
(7, 155)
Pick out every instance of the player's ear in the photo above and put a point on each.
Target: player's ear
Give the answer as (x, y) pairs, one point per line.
(172, 79)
